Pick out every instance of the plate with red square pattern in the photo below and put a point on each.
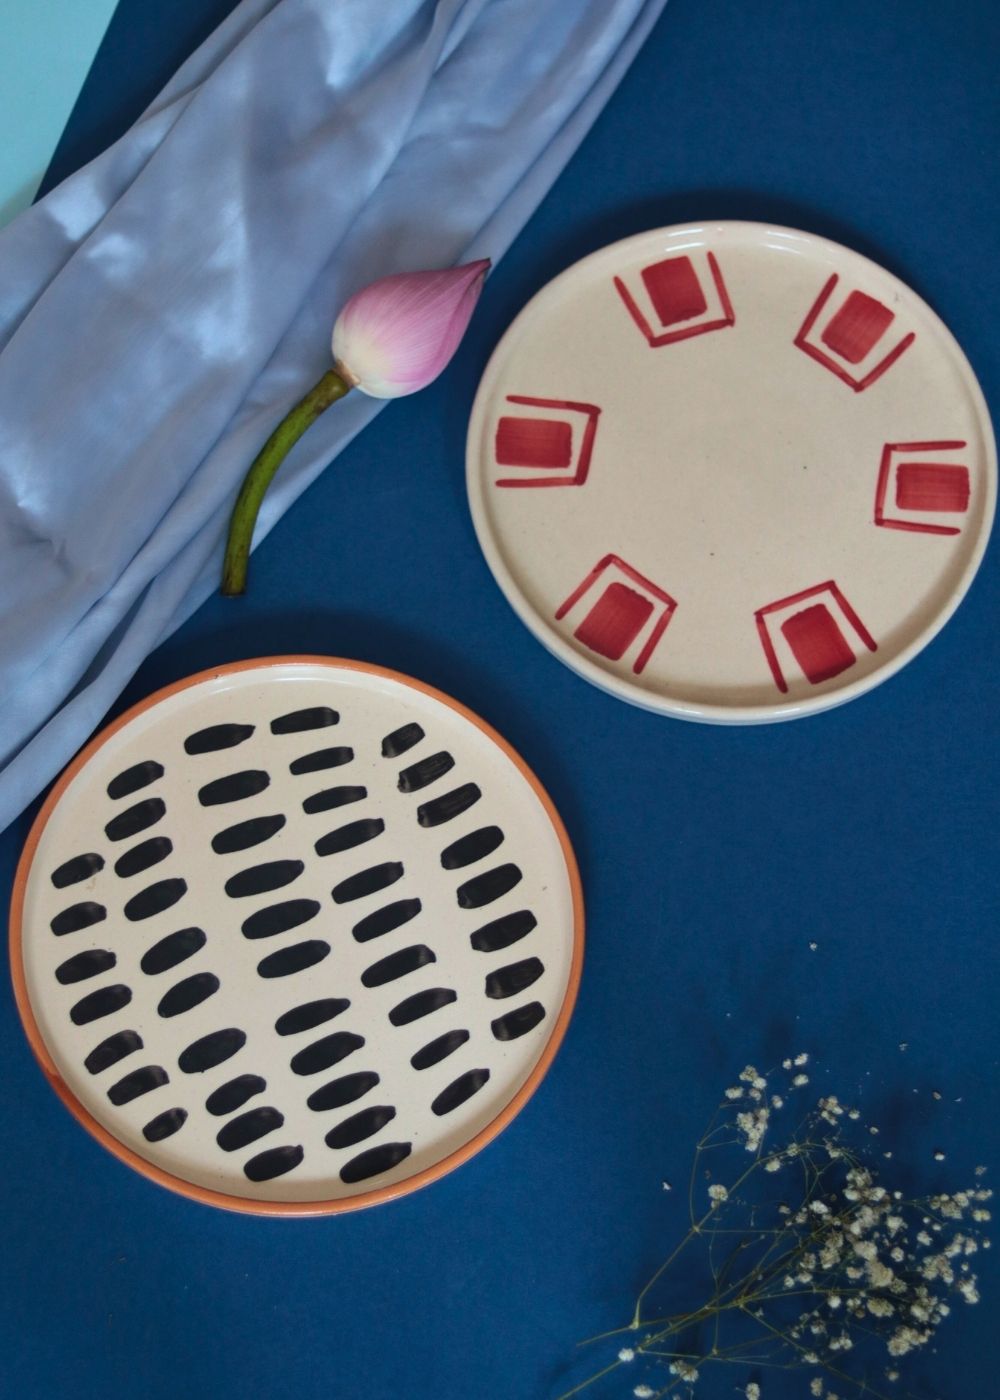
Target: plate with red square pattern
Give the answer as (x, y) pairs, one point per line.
(731, 472)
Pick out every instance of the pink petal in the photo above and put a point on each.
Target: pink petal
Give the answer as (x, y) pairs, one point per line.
(396, 335)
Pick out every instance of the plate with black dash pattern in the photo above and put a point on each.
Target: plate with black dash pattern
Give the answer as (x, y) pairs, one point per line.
(296, 935)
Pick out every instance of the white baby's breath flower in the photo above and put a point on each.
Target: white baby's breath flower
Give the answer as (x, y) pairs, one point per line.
(717, 1194)
(800, 1080)
(968, 1290)
(801, 1060)
(626, 1354)
(752, 1391)
(643, 1392)
(734, 1093)
(773, 1164)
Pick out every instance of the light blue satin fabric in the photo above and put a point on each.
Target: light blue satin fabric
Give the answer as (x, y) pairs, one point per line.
(162, 308)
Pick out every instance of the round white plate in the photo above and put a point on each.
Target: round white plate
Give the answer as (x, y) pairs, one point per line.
(296, 935)
(731, 472)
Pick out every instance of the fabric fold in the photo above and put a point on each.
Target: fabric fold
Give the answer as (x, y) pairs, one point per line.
(179, 291)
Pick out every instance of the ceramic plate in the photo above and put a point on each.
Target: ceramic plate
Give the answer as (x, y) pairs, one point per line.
(296, 935)
(731, 472)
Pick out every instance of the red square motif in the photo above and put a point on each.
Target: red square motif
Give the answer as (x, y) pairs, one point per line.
(818, 643)
(857, 327)
(674, 290)
(614, 621)
(534, 442)
(932, 486)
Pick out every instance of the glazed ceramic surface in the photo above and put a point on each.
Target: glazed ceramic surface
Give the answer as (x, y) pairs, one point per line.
(297, 935)
(731, 472)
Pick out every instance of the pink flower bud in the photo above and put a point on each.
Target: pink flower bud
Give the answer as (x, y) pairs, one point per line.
(396, 336)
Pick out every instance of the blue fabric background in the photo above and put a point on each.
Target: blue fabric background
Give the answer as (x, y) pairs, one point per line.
(711, 857)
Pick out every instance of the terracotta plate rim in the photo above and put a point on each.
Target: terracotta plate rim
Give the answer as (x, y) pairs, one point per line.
(247, 1204)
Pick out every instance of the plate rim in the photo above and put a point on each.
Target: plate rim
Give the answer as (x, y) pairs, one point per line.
(246, 1204)
(705, 712)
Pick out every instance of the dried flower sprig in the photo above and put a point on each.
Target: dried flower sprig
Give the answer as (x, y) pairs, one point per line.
(811, 1263)
(391, 338)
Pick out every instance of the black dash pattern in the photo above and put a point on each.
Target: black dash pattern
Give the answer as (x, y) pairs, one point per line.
(515, 977)
(175, 948)
(143, 856)
(261, 879)
(243, 835)
(315, 717)
(401, 740)
(450, 805)
(234, 788)
(310, 1014)
(104, 1002)
(216, 737)
(211, 1050)
(140, 775)
(234, 1094)
(279, 918)
(191, 992)
(501, 933)
(80, 868)
(330, 798)
(519, 1022)
(386, 919)
(77, 917)
(326, 1052)
(83, 965)
(366, 882)
(491, 885)
(345, 838)
(276, 1161)
(248, 1127)
(459, 1091)
(360, 1126)
(347, 1089)
(110, 1051)
(155, 899)
(297, 958)
(437, 1050)
(135, 819)
(139, 1082)
(322, 759)
(165, 1124)
(424, 772)
(375, 1161)
(421, 1004)
(468, 849)
(397, 964)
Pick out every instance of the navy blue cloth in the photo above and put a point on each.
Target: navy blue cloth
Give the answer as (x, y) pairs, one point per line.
(711, 857)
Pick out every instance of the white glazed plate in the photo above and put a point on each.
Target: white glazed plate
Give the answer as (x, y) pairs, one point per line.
(731, 472)
(296, 936)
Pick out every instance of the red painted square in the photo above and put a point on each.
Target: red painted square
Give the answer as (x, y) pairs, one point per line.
(857, 327)
(818, 643)
(534, 442)
(614, 621)
(674, 290)
(932, 486)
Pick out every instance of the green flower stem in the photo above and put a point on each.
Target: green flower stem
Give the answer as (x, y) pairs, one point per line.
(331, 387)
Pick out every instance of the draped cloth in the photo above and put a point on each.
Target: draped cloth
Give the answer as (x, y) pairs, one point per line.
(167, 304)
